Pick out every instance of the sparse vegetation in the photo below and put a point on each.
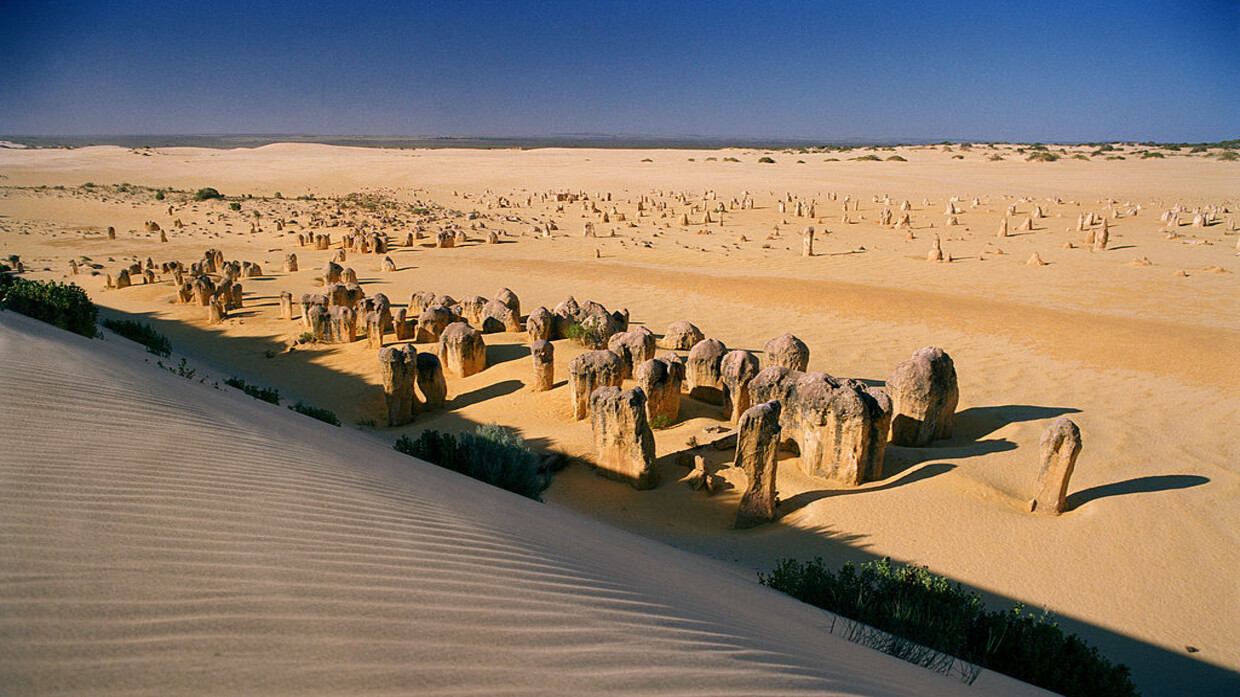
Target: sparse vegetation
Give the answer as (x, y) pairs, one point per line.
(1229, 156)
(1042, 156)
(266, 394)
(866, 158)
(924, 611)
(142, 333)
(234, 206)
(590, 336)
(996, 157)
(1152, 155)
(1080, 156)
(491, 454)
(766, 160)
(660, 421)
(207, 193)
(324, 415)
(896, 158)
(64, 305)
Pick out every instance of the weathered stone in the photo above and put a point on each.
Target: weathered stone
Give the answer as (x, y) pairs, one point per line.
(387, 265)
(661, 383)
(703, 371)
(633, 348)
(403, 328)
(445, 240)
(398, 368)
(309, 300)
(431, 382)
(681, 336)
(122, 279)
(543, 353)
(736, 369)
(807, 242)
(623, 441)
(509, 298)
(374, 330)
(462, 350)
(1060, 445)
(757, 449)
(473, 309)
(344, 323)
(836, 429)
(588, 372)
(788, 351)
(432, 322)
(540, 325)
(348, 276)
(204, 288)
(332, 273)
(419, 301)
(318, 321)
(216, 311)
(290, 263)
(508, 320)
(286, 305)
(924, 394)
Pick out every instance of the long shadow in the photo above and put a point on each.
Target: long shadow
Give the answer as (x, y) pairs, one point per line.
(978, 422)
(900, 459)
(805, 498)
(482, 394)
(502, 353)
(300, 377)
(1136, 485)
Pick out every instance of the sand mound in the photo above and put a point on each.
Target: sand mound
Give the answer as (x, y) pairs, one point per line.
(162, 536)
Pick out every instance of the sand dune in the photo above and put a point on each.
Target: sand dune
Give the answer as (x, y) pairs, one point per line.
(160, 536)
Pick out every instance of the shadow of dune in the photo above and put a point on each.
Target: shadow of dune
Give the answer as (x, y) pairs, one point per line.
(977, 422)
(1136, 485)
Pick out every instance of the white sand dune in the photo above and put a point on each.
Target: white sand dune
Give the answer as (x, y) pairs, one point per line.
(159, 536)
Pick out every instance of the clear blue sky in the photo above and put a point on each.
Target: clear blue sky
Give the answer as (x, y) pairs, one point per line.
(1027, 71)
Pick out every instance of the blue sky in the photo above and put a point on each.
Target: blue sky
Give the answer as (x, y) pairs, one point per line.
(1028, 71)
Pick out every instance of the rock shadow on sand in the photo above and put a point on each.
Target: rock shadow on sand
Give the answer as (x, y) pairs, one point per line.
(979, 422)
(803, 499)
(1136, 485)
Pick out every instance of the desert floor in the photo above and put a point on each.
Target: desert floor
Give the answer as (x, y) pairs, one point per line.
(1138, 344)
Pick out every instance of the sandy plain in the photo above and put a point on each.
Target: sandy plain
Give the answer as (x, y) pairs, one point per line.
(1144, 357)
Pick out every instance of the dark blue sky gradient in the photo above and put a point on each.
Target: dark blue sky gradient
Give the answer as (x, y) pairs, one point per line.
(1026, 71)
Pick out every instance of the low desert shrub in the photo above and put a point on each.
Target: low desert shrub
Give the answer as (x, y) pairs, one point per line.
(1152, 155)
(266, 394)
(896, 158)
(142, 333)
(766, 161)
(64, 305)
(206, 193)
(492, 454)
(1042, 156)
(660, 421)
(325, 415)
(866, 158)
(933, 613)
(1229, 156)
(234, 206)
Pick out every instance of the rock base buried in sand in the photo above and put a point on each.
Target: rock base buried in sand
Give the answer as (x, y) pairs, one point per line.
(757, 446)
(1059, 448)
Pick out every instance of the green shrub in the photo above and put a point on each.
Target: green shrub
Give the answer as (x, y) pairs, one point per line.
(325, 415)
(1151, 155)
(660, 421)
(206, 193)
(766, 161)
(234, 206)
(491, 454)
(866, 158)
(589, 335)
(62, 304)
(932, 612)
(1229, 156)
(159, 195)
(267, 394)
(141, 333)
(1042, 156)
(896, 158)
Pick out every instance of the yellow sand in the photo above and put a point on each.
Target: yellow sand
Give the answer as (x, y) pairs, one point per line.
(1145, 360)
